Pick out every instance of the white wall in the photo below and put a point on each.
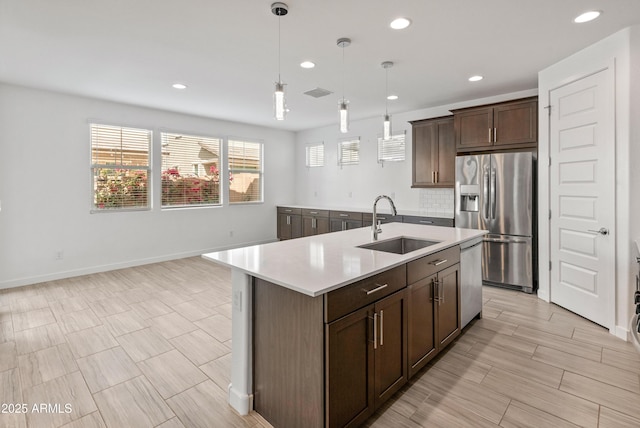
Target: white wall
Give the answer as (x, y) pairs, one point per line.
(356, 186)
(46, 193)
(615, 49)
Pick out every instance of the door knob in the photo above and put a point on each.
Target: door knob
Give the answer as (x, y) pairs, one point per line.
(602, 231)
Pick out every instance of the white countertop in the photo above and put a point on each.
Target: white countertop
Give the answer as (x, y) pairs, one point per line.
(383, 210)
(318, 264)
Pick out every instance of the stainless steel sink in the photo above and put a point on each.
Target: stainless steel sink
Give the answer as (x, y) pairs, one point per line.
(400, 245)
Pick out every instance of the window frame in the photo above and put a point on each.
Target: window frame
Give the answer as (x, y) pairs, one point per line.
(381, 148)
(230, 171)
(99, 166)
(308, 156)
(341, 143)
(221, 169)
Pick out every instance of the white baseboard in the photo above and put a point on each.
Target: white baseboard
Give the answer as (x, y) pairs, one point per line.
(53, 276)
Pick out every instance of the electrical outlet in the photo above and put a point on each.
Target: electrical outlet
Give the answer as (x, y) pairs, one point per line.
(237, 300)
(59, 254)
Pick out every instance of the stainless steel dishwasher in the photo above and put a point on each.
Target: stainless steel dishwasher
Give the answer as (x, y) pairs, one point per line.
(470, 280)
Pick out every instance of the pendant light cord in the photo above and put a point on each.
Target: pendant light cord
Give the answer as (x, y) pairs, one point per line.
(386, 95)
(279, 60)
(343, 73)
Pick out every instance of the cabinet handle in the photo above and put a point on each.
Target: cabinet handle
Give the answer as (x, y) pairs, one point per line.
(495, 134)
(381, 327)
(378, 288)
(434, 291)
(438, 262)
(381, 218)
(344, 215)
(313, 223)
(490, 139)
(440, 292)
(287, 211)
(288, 219)
(375, 331)
(437, 176)
(344, 225)
(426, 221)
(313, 212)
(433, 177)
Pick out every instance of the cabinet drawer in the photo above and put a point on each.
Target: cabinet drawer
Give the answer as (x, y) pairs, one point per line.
(315, 213)
(346, 215)
(433, 263)
(431, 221)
(351, 297)
(288, 210)
(384, 218)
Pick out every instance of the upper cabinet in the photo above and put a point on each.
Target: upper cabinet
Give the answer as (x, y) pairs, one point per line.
(434, 152)
(508, 125)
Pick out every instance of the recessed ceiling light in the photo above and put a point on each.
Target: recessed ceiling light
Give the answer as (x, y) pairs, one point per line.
(392, 97)
(179, 86)
(587, 16)
(307, 64)
(400, 23)
(475, 78)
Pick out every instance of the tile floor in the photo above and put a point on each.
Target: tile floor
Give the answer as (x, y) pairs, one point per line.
(150, 347)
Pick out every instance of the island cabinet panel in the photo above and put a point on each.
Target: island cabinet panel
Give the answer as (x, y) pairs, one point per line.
(289, 223)
(366, 360)
(288, 356)
(350, 370)
(434, 318)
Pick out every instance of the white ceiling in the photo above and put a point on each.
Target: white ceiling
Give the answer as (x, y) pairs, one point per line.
(226, 52)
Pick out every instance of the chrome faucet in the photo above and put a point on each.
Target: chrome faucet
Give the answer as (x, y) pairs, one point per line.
(375, 227)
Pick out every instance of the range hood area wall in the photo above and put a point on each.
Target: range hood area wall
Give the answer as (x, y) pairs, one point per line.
(45, 189)
(356, 186)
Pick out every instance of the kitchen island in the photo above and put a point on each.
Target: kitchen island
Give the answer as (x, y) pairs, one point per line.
(320, 332)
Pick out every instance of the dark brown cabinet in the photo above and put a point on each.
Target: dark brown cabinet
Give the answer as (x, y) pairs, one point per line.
(289, 223)
(434, 152)
(507, 125)
(366, 361)
(345, 220)
(314, 222)
(433, 296)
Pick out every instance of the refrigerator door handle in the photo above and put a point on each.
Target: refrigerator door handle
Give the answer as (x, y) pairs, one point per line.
(505, 241)
(493, 193)
(485, 190)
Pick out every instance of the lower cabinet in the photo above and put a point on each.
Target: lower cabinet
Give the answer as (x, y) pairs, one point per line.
(433, 306)
(330, 361)
(366, 360)
(289, 223)
(315, 222)
(345, 220)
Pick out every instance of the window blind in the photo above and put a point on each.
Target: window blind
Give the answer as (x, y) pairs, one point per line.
(245, 171)
(349, 152)
(391, 150)
(120, 167)
(315, 155)
(190, 170)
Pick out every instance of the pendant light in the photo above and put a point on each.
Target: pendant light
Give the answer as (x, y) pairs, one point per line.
(344, 111)
(386, 124)
(279, 102)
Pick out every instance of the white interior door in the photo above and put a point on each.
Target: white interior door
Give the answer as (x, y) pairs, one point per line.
(582, 197)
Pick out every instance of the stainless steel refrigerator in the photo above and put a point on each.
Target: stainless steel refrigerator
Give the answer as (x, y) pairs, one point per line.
(495, 192)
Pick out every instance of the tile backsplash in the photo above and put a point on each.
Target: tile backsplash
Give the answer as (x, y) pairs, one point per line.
(437, 202)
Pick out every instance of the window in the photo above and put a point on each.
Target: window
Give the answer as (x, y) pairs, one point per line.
(245, 171)
(190, 170)
(120, 166)
(315, 155)
(391, 150)
(349, 152)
